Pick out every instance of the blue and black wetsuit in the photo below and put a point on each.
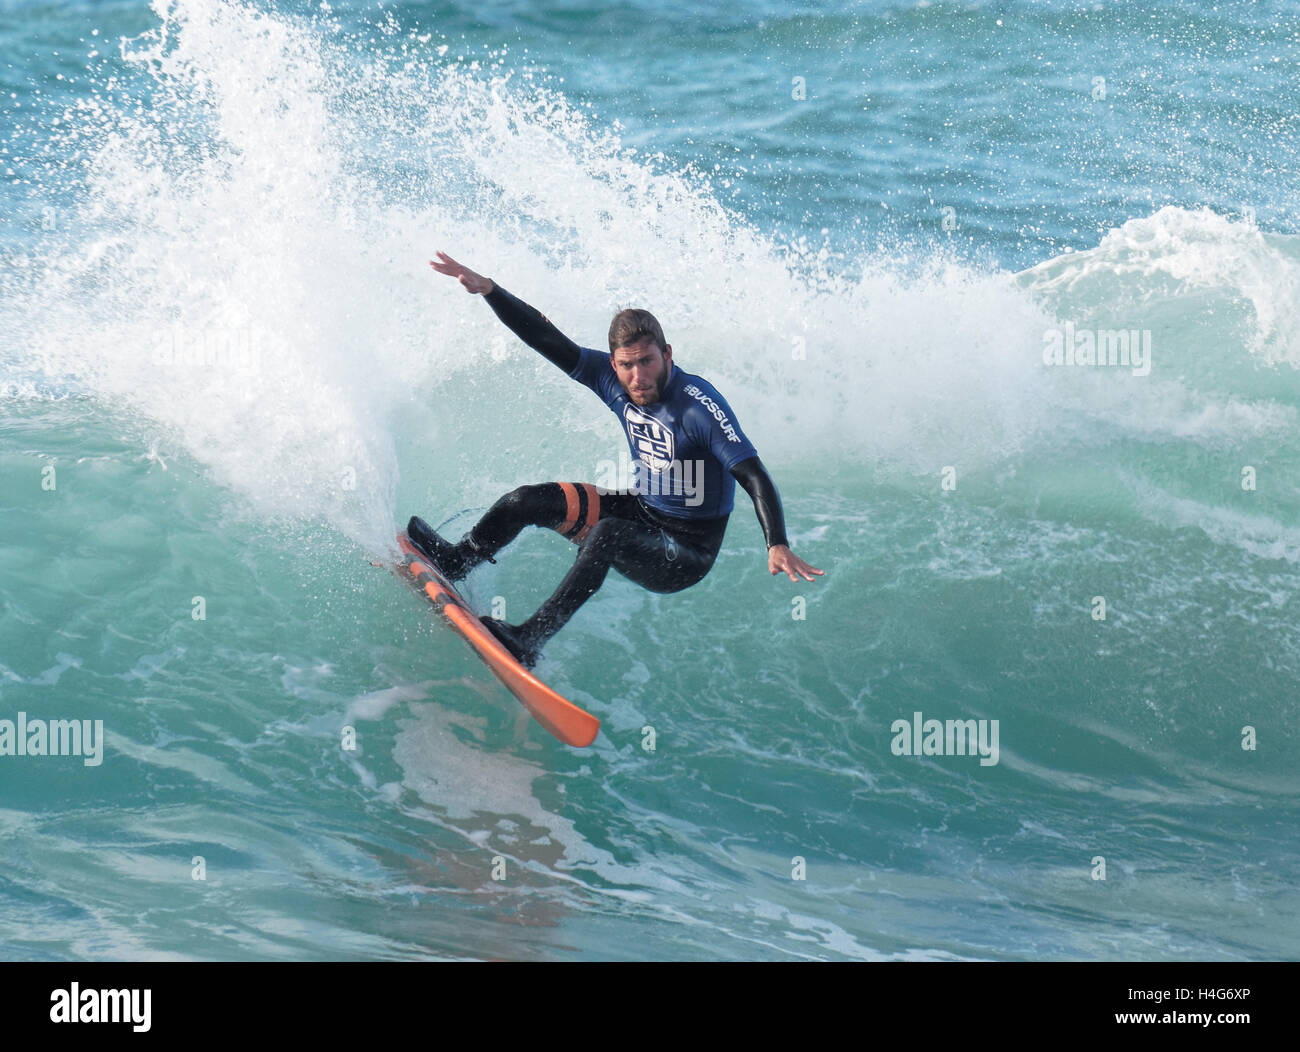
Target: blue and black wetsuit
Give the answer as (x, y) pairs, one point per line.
(688, 452)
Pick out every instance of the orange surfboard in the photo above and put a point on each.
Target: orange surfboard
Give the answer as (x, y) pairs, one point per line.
(557, 714)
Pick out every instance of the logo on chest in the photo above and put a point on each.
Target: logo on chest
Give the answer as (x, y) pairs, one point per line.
(652, 441)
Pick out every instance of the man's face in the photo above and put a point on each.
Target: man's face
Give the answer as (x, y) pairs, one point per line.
(643, 370)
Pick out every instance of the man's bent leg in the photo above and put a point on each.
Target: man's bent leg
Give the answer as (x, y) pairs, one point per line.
(642, 553)
(540, 505)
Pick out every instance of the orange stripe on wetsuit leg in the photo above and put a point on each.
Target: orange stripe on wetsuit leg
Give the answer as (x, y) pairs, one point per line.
(593, 511)
(570, 507)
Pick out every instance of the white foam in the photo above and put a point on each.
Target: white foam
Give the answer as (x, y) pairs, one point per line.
(270, 216)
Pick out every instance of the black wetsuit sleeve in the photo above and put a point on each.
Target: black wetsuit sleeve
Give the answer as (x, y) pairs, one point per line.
(759, 485)
(529, 324)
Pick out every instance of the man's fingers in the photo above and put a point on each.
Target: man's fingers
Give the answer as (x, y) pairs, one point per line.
(445, 264)
(794, 568)
(801, 569)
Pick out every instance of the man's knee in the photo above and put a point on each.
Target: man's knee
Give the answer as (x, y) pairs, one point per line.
(602, 540)
(525, 496)
(535, 503)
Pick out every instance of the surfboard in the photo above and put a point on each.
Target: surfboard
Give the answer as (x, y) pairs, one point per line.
(557, 714)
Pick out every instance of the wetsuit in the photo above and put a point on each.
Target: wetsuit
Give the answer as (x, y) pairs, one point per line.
(664, 534)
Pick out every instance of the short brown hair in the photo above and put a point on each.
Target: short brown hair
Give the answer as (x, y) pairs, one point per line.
(633, 325)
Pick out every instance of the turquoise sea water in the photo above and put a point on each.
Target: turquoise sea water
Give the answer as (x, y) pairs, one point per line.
(227, 376)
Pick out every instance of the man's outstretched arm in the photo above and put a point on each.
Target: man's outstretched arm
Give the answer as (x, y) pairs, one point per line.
(767, 504)
(526, 322)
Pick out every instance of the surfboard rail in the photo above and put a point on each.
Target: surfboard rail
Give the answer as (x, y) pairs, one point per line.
(569, 723)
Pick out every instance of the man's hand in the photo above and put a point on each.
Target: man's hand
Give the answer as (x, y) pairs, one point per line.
(475, 283)
(781, 558)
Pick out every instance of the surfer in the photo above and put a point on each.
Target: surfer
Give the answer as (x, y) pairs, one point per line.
(690, 452)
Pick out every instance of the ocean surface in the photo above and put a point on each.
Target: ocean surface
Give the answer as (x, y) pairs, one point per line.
(895, 236)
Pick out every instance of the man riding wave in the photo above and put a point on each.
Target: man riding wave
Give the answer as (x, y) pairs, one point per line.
(689, 452)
